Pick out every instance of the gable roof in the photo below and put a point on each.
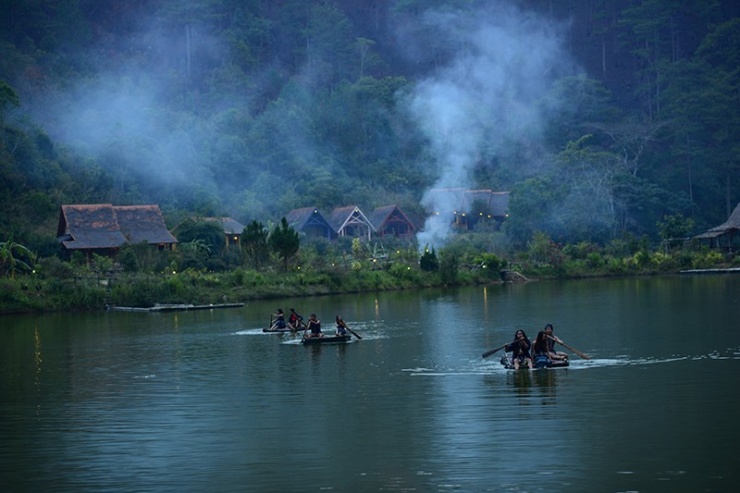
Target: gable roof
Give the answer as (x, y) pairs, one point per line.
(350, 221)
(143, 224)
(389, 219)
(85, 226)
(732, 225)
(499, 204)
(454, 200)
(309, 220)
(99, 226)
(230, 226)
(446, 200)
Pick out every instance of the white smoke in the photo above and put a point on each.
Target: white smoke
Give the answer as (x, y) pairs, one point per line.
(485, 99)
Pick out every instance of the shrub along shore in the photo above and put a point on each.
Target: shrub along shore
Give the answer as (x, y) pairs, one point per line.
(66, 286)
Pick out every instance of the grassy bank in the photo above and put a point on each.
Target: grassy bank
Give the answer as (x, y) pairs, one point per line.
(25, 294)
(56, 285)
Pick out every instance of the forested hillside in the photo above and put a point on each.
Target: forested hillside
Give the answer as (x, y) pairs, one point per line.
(601, 117)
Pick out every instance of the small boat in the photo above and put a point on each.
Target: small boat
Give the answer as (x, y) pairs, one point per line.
(539, 362)
(326, 339)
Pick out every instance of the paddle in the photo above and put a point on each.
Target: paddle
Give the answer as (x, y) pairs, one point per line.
(344, 324)
(582, 355)
(488, 353)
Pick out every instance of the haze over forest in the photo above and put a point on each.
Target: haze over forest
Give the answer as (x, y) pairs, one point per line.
(600, 117)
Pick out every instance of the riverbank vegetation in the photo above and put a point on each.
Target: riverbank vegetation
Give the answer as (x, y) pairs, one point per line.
(143, 277)
(612, 126)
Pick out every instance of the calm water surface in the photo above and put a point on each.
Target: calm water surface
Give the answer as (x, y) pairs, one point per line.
(203, 401)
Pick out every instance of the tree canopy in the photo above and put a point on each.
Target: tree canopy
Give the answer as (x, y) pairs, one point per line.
(252, 108)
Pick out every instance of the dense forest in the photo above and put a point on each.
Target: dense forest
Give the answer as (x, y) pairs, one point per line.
(601, 117)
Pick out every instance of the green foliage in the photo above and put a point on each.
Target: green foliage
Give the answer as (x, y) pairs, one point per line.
(254, 242)
(284, 241)
(428, 261)
(127, 259)
(329, 121)
(675, 226)
(8, 100)
(207, 235)
(490, 265)
(15, 257)
(404, 273)
(449, 264)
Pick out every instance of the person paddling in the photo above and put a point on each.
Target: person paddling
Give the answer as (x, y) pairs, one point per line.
(279, 322)
(551, 340)
(294, 320)
(341, 326)
(314, 326)
(519, 348)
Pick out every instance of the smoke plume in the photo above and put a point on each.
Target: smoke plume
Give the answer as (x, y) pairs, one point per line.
(484, 99)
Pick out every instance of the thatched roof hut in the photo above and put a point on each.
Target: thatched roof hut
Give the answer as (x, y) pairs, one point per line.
(104, 228)
(722, 236)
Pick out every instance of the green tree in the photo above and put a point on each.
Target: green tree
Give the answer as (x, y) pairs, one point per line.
(428, 261)
(284, 241)
(15, 257)
(701, 98)
(449, 263)
(254, 242)
(210, 234)
(8, 100)
(675, 226)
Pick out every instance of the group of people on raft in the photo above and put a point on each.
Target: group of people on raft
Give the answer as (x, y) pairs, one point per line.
(541, 353)
(312, 327)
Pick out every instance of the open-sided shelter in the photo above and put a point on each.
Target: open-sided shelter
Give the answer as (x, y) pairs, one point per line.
(723, 236)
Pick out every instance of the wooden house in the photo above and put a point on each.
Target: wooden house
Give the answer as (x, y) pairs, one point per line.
(350, 221)
(466, 207)
(390, 221)
(104, 228)
(724, 235)
(232, 228)
(310, 221)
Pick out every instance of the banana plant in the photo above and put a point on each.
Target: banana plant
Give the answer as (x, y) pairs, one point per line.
(15, 257)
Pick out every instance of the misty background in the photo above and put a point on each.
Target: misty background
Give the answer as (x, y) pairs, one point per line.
(596, 116)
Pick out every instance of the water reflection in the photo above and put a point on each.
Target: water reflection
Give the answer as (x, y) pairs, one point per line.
(207, 402)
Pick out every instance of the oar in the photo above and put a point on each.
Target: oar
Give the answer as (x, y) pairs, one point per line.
(344, 324)
(582, 355)
(488, 353)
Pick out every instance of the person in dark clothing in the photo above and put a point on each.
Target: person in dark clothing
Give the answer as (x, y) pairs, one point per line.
(279, 322)
(341, 326)
(314, 326)
(541, 350)
(520, 348)
(294, 320)
(551, 340)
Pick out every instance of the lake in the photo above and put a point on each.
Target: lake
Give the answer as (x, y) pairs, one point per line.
(198, 401)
